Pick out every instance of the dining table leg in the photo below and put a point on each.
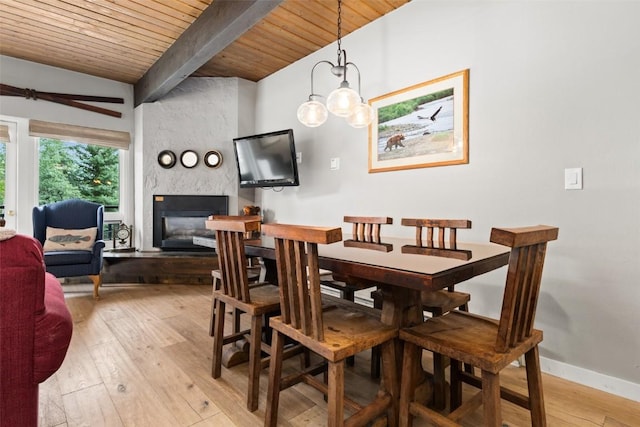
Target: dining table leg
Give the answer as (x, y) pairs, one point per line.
(401, 308)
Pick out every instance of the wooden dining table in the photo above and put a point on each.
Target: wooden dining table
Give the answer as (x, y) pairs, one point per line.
(401, 272)
(400, 269)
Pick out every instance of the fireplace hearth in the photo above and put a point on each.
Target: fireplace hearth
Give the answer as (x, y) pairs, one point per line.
(177, 219)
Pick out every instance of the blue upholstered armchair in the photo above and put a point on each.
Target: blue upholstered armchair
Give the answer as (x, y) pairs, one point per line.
(70, 232)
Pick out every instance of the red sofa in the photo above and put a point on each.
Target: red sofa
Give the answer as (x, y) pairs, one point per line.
(35, 328)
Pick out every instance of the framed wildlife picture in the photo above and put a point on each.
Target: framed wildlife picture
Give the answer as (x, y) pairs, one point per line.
(421, 126)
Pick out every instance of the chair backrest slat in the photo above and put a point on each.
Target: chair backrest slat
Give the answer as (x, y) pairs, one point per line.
(239, 262)
(315, 295)
(367, 228)
(298, 273)
(287, 296)
(230, 232)
(302, 292)
(524, 275)
(536, 279)
(223, 261)
(442, 225)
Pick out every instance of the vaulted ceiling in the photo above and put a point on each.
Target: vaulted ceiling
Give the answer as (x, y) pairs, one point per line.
(155, 44)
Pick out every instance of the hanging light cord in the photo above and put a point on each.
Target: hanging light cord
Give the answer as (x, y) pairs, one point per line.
(340, 32)
(341, 101)
(341, 52)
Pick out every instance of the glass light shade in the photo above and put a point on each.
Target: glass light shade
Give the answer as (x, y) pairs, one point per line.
(342, 101)
(312, 114)
(362, 116)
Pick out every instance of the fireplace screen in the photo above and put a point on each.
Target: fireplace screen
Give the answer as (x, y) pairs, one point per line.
(184, 228)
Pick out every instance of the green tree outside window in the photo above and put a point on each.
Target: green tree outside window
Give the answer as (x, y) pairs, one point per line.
(74, 170)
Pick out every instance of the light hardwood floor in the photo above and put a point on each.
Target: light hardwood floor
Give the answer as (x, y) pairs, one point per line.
(141, 356)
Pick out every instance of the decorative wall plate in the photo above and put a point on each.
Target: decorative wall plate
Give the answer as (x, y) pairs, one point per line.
(189, 158)
(213, 159)
(167, 159)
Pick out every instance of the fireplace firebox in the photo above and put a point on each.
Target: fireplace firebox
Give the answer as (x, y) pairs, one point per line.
(178, 219)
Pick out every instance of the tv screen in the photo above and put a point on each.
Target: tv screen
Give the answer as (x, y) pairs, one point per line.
(267, 160)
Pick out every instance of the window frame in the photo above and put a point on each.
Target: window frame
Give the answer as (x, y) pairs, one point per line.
(11, 173)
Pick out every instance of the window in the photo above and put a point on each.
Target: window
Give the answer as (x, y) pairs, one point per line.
(70, 169)
(79, 162)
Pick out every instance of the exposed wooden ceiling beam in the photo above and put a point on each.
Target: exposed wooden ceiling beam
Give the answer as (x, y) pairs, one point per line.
(216, 28)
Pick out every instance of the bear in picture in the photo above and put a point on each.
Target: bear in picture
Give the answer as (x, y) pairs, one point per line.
(395, 140)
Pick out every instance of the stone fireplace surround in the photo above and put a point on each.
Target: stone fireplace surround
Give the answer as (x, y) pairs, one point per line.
(200, 114)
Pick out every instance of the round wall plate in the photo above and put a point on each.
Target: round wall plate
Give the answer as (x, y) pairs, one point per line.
(189, 158)
(167, 159)
(213, 159)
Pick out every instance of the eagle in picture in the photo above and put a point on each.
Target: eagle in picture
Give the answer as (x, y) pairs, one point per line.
(433, 116)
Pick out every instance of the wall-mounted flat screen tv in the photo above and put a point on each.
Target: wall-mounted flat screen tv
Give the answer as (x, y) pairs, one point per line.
(267, 160)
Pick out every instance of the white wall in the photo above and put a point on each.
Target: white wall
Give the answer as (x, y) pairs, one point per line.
(200, 114)
(43, 78)
(553, 85)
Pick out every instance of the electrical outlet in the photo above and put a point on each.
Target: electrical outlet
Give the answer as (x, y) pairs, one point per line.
(299, 157)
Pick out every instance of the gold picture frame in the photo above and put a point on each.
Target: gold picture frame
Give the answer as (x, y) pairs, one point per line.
(421, 126)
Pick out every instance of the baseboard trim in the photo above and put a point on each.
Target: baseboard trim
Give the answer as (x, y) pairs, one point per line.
(592, 379)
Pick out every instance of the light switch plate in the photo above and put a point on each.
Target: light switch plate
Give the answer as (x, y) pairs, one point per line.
(335, 163)
(573, 179)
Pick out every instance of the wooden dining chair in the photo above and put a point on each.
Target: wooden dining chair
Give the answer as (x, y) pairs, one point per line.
(491, 345)
(443, 301)
(439, 236)
(440, 302)
(334, 333)
(367, 228)
(234, 290)
(366, 234)
(255, 274)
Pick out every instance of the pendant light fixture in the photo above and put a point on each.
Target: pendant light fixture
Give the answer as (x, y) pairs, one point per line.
(343, 101)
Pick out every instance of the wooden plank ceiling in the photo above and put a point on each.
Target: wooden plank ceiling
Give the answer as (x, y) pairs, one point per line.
(122, 39)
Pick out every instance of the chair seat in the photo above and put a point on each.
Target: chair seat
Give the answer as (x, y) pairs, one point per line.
(68, 257)
(468, 338)
(253, 277)
(443, 300)
(265, 298)
(346, 332)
